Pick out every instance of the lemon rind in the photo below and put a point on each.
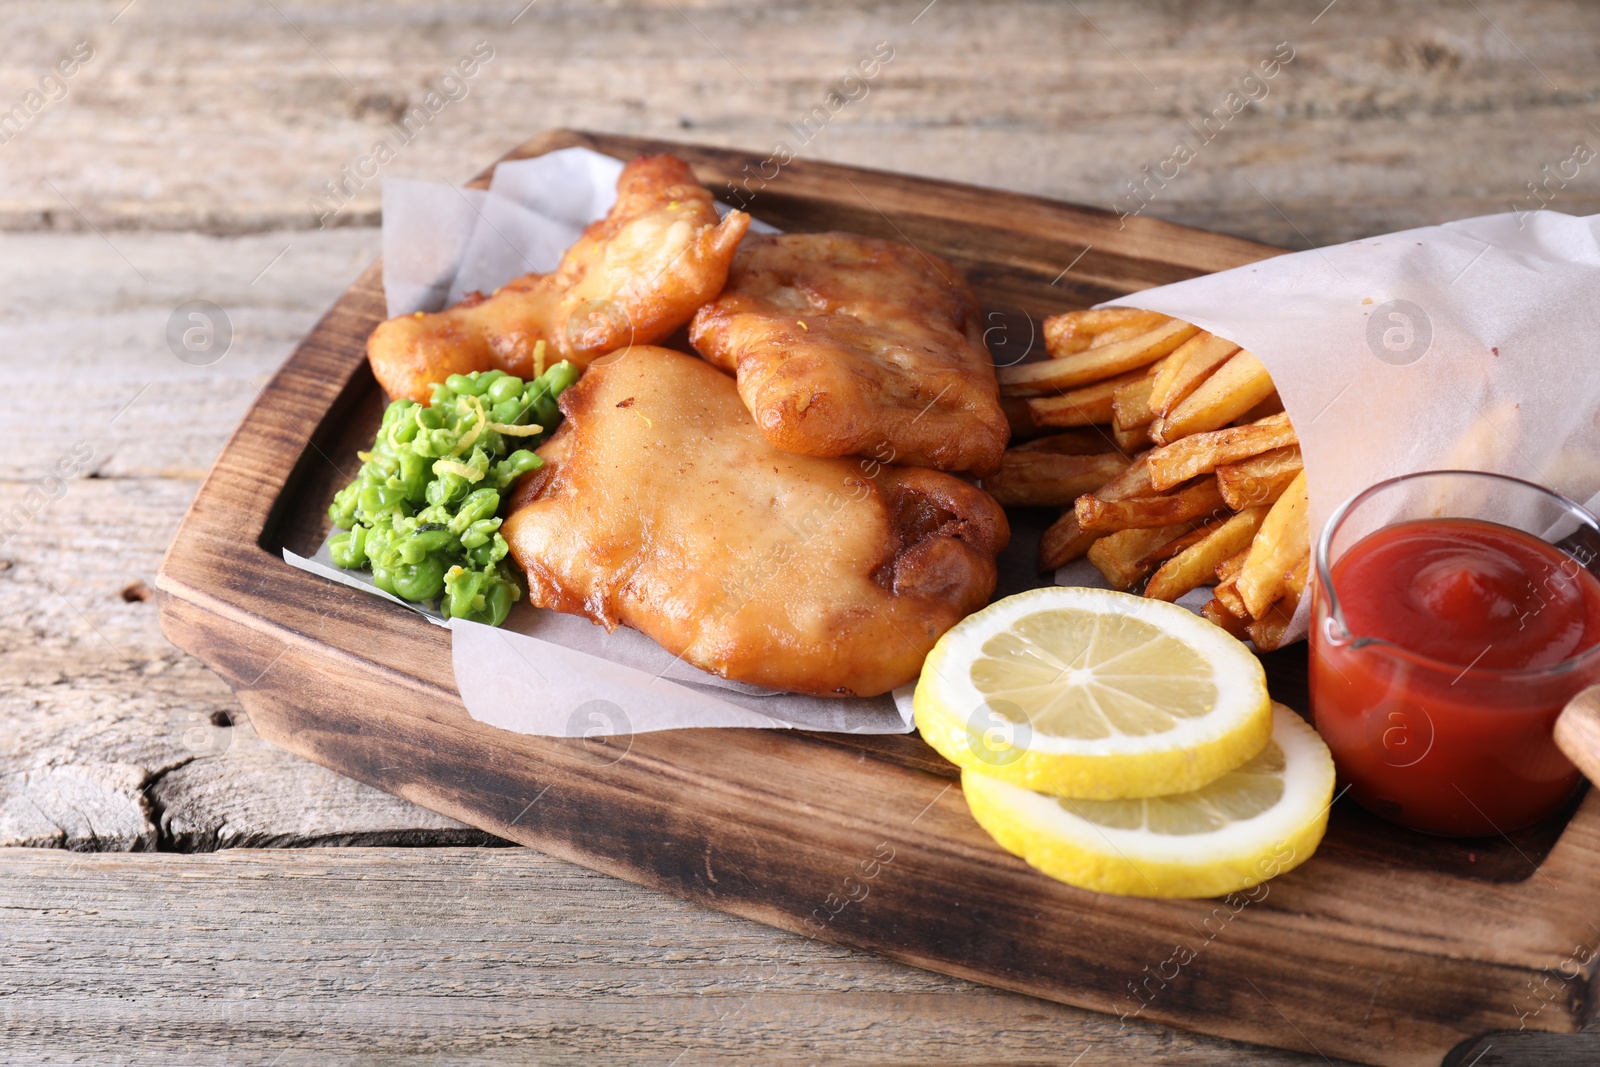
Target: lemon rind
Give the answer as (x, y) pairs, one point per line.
(1073, 850)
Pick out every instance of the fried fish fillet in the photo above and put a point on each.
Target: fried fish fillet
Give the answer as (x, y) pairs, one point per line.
(661, 507)
(845, 345)
(634, 277)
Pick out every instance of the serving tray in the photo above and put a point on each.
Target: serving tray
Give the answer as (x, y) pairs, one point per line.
(1387, 947)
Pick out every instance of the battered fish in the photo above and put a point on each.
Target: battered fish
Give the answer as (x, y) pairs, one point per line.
(845, 345)
(634, 277)
(661, 507)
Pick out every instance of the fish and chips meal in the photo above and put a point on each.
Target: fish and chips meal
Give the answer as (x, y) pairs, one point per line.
(787, 459)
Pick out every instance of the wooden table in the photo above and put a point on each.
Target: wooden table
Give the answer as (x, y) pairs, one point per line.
(160, 904)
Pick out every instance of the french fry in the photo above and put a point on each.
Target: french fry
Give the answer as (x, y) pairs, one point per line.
(1272, 405)
(1202, 453)
(1075, 331)
(1233, 389)
(1197, 564)
(1097, 515)
(1122, 556)
(1087, 442)
(1227, 587)
(1134, 440)
(1064, 541)
(1294, 582)
(1118, 334)
(1229, 569)
(1217, 612)
(1221, 498)
(1089, 405)
(1080, 368)
(1130, 403)
(1134, 481)
(1172, 548)
(1282, 539)
(1227, 591)
(1259, 479)
(1188, 366)
(1269, 631)
(1038, 478)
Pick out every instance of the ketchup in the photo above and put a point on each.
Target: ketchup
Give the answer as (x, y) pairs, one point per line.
(1444, 722)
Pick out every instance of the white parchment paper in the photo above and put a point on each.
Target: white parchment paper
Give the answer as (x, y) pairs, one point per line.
(1473, 345)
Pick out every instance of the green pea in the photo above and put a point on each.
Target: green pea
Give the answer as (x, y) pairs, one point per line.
(513, 467)
(484, 554)
(468, 384)
(510, 411)
(415, 471)
(559, 377)
(382, 578)
(403, 430)
(345, 504)
(349, 549)
(478, 505)
(497, 601)
(419, 581)
(505, 388)
(420, 545)
(376, 498)
(463, 587)
(446, 489)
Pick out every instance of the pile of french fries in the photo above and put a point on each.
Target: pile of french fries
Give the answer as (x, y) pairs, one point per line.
(1174, 458)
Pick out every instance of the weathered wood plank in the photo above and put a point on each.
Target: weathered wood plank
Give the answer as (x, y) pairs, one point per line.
(110, 737)
(1390, 115)
(83, 336)
(96, 707)
(498, 956)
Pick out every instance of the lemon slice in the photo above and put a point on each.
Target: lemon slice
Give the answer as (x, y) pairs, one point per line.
(1247, 826)
(1093, 693)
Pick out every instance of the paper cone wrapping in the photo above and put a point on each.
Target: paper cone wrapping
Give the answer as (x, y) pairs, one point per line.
(1469, 346)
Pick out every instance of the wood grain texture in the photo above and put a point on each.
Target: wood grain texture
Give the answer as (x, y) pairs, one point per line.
(503, 956)
(224, 118)
(765, 825)
(334, 955)
(1577, 732)
(109, 737)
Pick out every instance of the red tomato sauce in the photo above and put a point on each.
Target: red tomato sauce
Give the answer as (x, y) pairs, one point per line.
(1438, 730)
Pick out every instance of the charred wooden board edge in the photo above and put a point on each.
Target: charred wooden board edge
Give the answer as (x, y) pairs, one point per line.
(233, 603)
(668, 837)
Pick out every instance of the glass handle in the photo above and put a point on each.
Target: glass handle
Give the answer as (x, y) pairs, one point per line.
(1578, 732)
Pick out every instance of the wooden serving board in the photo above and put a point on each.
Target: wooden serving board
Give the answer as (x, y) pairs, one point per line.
(1386, 947)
